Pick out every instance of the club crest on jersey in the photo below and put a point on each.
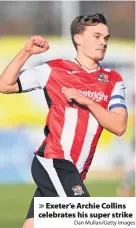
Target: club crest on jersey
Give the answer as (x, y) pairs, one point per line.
(77, 190)
(103, 77)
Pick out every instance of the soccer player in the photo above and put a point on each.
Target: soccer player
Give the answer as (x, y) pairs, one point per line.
(83, 98)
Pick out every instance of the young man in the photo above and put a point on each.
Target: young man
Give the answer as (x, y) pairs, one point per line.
(83, 98)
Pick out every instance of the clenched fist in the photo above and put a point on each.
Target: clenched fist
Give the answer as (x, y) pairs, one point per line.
(36, 45)
(72, 93)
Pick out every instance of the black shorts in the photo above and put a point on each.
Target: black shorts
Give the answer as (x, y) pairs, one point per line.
(56, 178)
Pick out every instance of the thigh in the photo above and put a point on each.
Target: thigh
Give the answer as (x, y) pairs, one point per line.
(70, 179)
(29, 223)
(74, 186)
(57, 177)
(42, 178)
(30, 213)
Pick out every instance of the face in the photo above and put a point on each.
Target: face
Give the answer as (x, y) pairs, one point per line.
(93, 41)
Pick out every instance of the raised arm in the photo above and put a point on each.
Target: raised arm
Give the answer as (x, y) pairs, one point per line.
(9, 77)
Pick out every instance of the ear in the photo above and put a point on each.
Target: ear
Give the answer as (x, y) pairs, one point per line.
(78, 39)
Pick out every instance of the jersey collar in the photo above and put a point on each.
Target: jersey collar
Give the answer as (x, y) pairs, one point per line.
(87, 70)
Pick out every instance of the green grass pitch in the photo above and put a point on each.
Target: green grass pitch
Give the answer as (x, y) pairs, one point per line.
(15, 200)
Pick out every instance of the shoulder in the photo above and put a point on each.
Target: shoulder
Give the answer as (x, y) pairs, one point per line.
(114, 76)
(55, 63)
(61, 64)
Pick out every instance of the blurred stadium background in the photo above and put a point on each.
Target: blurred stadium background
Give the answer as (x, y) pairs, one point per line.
(22, 116)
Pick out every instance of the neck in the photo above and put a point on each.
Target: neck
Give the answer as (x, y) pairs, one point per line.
(86, 62)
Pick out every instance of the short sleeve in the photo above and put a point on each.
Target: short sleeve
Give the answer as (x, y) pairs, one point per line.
(34, 78)
(117, 98)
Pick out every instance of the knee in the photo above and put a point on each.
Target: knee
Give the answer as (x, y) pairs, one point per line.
(29, 223)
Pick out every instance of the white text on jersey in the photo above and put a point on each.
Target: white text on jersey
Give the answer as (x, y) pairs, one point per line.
(97, 96)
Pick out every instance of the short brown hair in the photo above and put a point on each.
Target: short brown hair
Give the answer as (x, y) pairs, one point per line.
(79, 23)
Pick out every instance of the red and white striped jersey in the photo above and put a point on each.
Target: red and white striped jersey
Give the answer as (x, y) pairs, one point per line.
(72, 132)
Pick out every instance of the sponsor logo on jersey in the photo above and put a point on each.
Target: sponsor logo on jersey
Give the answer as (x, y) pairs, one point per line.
(77, 190)
(103, 77)
(97, 96)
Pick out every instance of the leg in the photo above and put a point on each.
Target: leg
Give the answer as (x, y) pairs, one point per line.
(63, 175)
(29, 223)
(45, 189)
(70, 179)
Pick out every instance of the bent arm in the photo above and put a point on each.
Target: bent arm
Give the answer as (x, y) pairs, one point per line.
(9, 77)
(114, 121)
